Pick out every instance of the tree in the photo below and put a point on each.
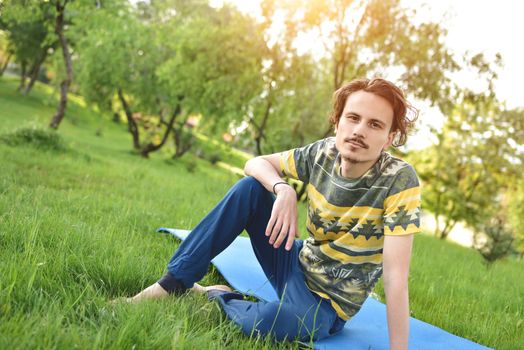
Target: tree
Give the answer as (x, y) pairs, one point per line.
(118, 56)
(26, 18)
(165, 61)
(218, 82)
(29, 38)
(5, 52)
(293, 100)
(60, 8)
(377, 37)
(515, 187)
(467, 170)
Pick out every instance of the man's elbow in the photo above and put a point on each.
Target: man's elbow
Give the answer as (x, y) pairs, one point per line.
(246, 167)
(249, 166)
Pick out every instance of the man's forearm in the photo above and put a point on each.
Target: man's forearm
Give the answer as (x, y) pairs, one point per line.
(262, 170)
(397, 304)
(282, 225)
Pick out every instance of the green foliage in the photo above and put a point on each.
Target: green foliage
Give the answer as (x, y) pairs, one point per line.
(214, 158)
(28, 28)
(467, 170)
(373, 37)
(165, 58)
(217, 81)
(35, 136)
(29, 31)
(515, 195)
(294, 101)
(495, 241)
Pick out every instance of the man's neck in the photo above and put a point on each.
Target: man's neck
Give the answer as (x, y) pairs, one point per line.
(353, 170)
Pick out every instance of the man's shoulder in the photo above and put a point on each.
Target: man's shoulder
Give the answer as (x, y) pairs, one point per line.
(320, 150)
(326, 144)
(391, 166)
(397, 174)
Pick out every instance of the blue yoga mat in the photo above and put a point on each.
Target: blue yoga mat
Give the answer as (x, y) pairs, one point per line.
(367, 330)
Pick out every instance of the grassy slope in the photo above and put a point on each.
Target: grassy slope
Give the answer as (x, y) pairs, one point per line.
(76, 229)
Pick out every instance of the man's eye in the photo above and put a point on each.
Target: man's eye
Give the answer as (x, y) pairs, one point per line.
(376, 125)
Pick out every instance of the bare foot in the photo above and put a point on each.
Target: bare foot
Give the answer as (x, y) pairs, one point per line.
(154, 291)
(197, 288)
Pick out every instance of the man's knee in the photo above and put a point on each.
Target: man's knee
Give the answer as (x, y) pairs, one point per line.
(249, 184)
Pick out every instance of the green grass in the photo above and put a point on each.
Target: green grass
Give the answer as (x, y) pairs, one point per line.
(77, 230)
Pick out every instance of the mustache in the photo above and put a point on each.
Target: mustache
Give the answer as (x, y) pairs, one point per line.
(356, 140)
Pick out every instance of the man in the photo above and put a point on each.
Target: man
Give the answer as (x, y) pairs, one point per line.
(363, 209)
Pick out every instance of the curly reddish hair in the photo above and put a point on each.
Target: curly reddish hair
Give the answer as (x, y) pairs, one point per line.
(404, 114)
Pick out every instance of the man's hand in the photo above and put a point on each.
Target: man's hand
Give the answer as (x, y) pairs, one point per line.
(284, 218)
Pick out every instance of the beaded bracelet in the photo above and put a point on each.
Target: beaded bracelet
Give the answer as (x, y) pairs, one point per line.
(278, 183)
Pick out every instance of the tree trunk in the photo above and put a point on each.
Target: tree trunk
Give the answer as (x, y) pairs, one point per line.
(258, 137)
(116, 116)
(131, 124)
(151, 147)
(4, 66)
(181, 149)
(263, 125)
(23, 72)
(450, 224)
(260, 129)
(34, 73)
(437, 226)
(64, 85)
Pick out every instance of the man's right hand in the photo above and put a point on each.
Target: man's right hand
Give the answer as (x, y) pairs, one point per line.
(284, 218)
(283, 222)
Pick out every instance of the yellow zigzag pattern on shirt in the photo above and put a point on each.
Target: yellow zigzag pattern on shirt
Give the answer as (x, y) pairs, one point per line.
(409, 198)
(343, 214)
(346, 240)
(398, 230)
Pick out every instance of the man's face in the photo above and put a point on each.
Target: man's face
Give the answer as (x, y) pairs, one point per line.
(363, 130)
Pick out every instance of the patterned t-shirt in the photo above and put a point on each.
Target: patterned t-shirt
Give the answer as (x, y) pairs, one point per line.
(348, 218)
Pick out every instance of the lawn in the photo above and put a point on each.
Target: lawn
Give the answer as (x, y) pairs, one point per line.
(77, 230)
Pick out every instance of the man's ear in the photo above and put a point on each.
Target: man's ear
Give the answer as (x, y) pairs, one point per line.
(391, 137)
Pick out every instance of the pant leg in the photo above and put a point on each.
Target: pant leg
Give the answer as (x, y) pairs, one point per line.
(299, 314)
(247, 205)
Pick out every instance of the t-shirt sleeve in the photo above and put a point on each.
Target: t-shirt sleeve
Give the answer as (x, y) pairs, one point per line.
(298, 163)
(402, 204)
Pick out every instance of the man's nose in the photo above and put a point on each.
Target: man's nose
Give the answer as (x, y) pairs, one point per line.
(359, 130)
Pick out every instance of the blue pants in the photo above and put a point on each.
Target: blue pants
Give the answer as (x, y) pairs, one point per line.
(300, 313)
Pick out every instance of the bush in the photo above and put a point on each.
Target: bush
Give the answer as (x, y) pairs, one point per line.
(191, 165)
(45, 139)
(214, 158)
(496, 241)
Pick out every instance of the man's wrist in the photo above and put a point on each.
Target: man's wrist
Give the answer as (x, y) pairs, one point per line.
(279, 185)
